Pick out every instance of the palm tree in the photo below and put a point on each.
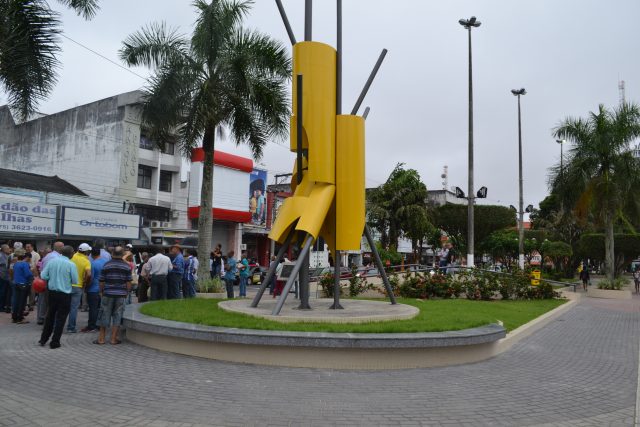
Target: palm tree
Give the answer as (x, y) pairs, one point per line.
(601, 172)
(398, 207)
(29, 45)
(224, 78)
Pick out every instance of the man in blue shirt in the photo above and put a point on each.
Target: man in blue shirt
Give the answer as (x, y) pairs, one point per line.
(42, 297)
(22, 278)
(175, 275)
(60, 273)
(93, 290)
(230, 270)
(115, 284)
(244, 274)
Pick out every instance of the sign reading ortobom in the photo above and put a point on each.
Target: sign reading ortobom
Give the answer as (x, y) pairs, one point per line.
(81, 222)
(21, 217)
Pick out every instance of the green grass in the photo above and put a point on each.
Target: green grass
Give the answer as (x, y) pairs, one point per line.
(435, 316)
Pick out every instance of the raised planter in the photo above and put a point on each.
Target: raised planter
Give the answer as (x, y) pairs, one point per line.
(212, 295)
(609, 294)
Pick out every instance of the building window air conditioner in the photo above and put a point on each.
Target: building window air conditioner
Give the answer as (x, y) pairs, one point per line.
(166, 224)
(155, 224)
(243, 247)
(175, 214)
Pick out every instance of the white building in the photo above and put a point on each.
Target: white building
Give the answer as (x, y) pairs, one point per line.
(103, 149)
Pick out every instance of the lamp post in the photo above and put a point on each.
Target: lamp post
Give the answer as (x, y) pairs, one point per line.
(519, 93)
(468, 24)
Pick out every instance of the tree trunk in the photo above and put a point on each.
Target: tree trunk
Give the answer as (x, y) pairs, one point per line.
(608, 247)
(205, 219)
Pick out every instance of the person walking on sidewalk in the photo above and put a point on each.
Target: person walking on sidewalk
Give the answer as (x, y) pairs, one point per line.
(93, 290)
(584, 276)
(115, 285)
(22, 278)
(158, 267)
(175, 275)
(60, 273)
(82, 263)
(636, 279)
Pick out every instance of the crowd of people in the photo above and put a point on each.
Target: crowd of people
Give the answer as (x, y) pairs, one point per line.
(56, 284)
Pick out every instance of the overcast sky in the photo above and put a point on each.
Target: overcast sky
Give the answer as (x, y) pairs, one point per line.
(569, 55)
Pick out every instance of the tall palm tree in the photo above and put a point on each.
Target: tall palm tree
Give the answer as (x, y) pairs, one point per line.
(224, 78)
(601, 172)
(29, 45)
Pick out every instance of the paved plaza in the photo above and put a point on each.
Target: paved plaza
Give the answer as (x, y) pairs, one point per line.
(582, 369)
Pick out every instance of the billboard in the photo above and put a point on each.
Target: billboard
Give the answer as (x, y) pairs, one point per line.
(258, 197)
(26, 217)
(89, 223)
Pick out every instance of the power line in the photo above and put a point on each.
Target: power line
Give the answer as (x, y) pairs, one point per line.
(103, 57)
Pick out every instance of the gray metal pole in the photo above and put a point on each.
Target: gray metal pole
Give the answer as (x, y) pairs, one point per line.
(366, 113)
(376, 257)
(303, 284)
(308, 18)
(336, 282)
(521, 213)
(367, 85)
(285, 20)
(292, 277)
(272, 270)
(470, 194)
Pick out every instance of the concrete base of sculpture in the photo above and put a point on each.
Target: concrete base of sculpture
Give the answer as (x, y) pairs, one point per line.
(355, 311)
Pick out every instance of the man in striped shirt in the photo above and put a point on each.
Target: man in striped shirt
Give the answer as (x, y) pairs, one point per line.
(115, 284)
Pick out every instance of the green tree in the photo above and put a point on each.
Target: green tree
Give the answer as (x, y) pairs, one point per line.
(488, 218)
(601, 171)
(559, 252)
(224, 78)
(627, 248)
(398, 208)
(29, 45)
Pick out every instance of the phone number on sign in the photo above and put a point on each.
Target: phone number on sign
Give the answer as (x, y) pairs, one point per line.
(20, 227)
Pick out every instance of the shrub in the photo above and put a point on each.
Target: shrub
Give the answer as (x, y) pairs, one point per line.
(614, 285)
(214, 285)
(357, 284)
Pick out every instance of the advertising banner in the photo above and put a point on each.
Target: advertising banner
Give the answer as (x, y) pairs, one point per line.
(89, 223)
(258, 197)
(23, 217)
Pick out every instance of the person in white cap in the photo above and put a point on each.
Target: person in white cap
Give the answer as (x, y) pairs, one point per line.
(83, 265)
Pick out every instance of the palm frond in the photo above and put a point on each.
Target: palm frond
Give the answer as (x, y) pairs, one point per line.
(153, 46)
(85, 8)
(28, 47)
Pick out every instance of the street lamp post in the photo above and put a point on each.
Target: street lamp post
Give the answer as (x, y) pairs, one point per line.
(519, 93)
(468, 24)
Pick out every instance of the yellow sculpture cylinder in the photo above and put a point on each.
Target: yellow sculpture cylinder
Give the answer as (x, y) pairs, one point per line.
(317, 64)
(350, 197)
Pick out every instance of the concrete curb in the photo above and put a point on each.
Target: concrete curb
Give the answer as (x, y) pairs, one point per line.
(330, 350)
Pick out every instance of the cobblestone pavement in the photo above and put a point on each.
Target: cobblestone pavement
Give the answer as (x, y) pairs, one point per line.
(579, 370)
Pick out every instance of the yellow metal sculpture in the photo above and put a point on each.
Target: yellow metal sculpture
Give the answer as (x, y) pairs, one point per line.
(332, 184)
(328, 178)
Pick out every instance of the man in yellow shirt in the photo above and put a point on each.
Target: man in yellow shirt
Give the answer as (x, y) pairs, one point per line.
(83, 265)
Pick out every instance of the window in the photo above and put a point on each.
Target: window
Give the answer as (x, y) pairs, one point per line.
(169, 148)
(146, 143)
(165, 181)
(144, 177)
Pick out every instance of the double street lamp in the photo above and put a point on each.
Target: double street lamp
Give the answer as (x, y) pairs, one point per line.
(519, 93)
(468, 24)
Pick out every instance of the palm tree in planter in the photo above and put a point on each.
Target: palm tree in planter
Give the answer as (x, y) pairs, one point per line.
(601, 172)
(224, 78)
